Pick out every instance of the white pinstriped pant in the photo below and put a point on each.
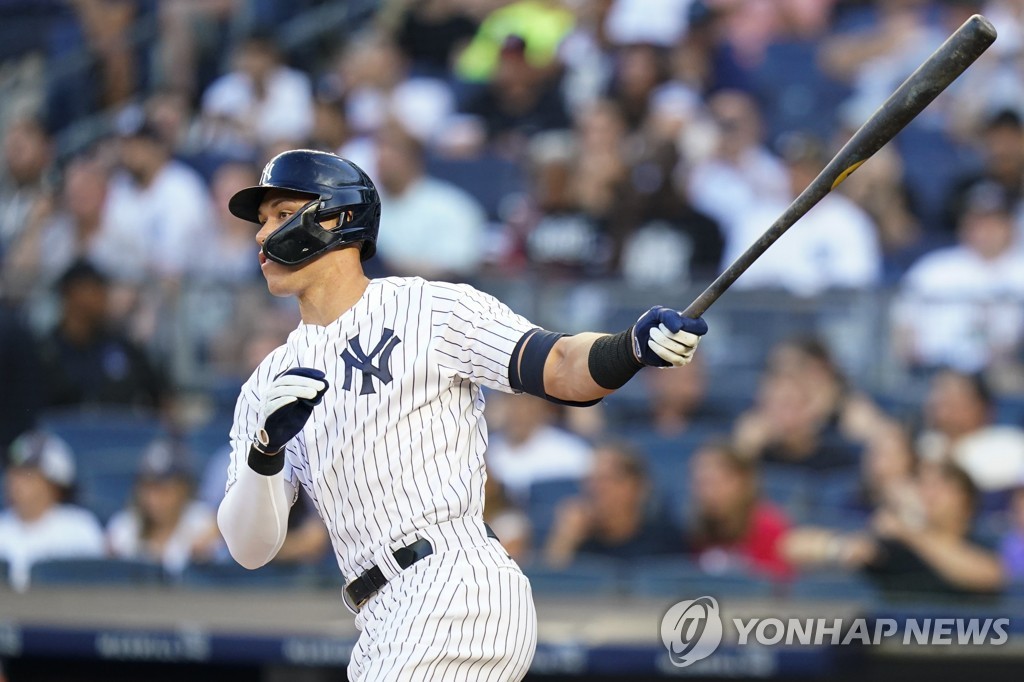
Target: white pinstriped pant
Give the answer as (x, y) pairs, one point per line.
(465, 614)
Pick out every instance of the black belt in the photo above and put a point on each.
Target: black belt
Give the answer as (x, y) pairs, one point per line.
(366, 585)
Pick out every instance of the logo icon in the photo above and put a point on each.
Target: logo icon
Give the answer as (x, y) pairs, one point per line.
(356, 359)
(691, 630)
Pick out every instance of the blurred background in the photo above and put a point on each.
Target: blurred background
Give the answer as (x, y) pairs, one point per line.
(849, 441)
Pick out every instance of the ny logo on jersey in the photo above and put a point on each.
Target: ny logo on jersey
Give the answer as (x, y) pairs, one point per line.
(356, 359)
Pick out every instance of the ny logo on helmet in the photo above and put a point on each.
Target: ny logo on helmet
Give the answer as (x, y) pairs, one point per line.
(356, 359)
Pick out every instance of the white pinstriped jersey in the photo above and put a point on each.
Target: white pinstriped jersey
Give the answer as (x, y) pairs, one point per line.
(397, 444)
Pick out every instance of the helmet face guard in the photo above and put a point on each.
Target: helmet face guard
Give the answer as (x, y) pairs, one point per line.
(336, 187)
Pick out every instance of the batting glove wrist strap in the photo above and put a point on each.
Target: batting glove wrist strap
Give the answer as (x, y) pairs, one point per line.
(263, 463)
(611, 360)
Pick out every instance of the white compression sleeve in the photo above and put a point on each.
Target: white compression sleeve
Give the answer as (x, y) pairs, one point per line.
(253, 516)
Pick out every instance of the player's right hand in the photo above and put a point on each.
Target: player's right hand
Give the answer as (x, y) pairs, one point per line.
(664, 337)
(286, 406)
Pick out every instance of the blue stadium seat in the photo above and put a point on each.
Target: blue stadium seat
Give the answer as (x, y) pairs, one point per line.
(231, 575)
(107, 443)
(681, 578)
(833, 586)
(586, 575)
(542, 504)
(790, 487)
(837, 489)
(95, 572)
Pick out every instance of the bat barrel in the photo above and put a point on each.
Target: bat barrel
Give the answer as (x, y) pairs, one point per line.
(944, 66)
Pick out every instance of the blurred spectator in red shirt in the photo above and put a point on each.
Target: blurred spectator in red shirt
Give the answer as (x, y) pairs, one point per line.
(732, 528)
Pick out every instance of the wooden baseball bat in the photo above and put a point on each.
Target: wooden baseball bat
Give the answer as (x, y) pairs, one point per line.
(933, 76)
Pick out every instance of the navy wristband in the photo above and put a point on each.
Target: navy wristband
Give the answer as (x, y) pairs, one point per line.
(526, 366)
(611, 361)
(264, 464)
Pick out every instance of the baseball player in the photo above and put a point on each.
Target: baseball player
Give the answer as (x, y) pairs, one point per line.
(374, 406)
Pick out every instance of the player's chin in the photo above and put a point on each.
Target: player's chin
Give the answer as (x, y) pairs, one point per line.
(279, 283)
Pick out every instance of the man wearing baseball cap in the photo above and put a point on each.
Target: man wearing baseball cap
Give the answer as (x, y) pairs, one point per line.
(38, 522)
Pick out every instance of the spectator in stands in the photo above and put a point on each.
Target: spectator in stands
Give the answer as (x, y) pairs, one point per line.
(158, 209)
(887, 474)
(958, 427)
(658, 237)
(539, 25)
(802, 414)
(741, 173)
(640, 69)
(732, 529)
(563, 225)
(25, 180)
(675, 404)
(528, 447)
(191, 34)
(935, 554)
(165, 524)
(1011, 547)
(507, 520)
(835, 246)
(40, 523)
(229, 255)
(85, 360)
(876, 58)
(974, 287)
(615, 515)
(429, 227)
(882, 191)
(22, 396)
(261, 101)
(431, 34)
(68, 229)
(520, 100)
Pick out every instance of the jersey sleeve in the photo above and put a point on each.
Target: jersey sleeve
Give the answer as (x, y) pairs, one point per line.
(474, 335)
(246, 423)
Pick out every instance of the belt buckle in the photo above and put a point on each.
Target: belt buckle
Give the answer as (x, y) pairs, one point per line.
(351, 605)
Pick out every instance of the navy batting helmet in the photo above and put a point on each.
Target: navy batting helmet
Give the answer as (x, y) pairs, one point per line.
(336, 187)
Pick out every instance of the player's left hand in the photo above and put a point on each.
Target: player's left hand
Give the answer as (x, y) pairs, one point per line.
(663, 337)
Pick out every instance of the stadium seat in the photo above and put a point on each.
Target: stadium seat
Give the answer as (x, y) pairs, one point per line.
(95, 572)
(681, 578)
(231, 575)
(542, 504)
(832, 586)
(586, 575)
(790, 487)
(107, 443)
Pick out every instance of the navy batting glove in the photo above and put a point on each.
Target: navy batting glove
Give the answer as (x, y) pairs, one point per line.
(664, 337)
(287, 404)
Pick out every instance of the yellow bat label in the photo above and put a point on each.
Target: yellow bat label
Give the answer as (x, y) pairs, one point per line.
(846, 173)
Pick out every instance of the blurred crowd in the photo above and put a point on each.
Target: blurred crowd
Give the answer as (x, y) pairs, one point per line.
(640, 144)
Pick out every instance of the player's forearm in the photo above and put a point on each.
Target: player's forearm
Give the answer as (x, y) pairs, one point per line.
(253, 517)
(567, 373)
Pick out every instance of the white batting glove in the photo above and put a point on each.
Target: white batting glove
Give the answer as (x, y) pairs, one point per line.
(286, 405)
(664, 337)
